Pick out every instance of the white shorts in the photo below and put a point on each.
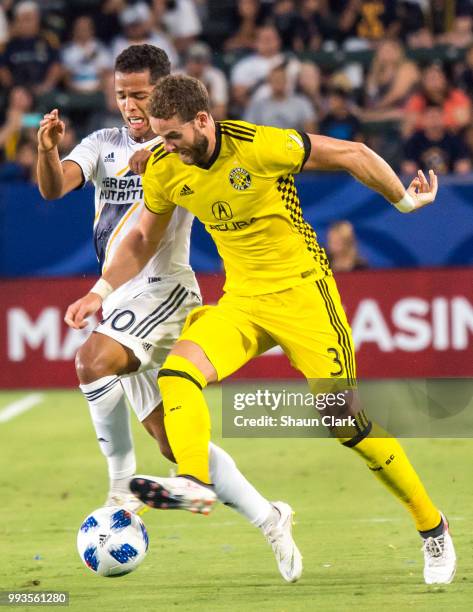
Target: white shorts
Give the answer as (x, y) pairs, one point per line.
(142, 392)
(149, 324)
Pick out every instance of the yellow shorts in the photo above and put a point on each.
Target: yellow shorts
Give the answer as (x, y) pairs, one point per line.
(306, 321)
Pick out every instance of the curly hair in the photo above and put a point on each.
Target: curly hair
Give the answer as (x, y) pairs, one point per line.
(178, 95)
(138, 58)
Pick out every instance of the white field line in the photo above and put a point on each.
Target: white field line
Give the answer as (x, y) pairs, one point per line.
(25, 403)
(179, 525)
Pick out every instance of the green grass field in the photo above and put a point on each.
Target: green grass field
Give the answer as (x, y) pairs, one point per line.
(360, 549)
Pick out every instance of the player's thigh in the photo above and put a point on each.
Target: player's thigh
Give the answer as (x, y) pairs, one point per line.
(313, 330)
(150, 323)
(226, 334)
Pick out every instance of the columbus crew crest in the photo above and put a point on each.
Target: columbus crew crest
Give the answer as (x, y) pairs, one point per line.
(240, 179)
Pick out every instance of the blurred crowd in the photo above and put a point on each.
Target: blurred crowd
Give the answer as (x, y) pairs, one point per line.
(397, 74)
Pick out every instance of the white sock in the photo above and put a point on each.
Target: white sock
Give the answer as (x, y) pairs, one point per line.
(111, 419)
(234, 490)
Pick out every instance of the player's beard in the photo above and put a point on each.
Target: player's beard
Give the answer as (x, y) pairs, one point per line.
(197, 153)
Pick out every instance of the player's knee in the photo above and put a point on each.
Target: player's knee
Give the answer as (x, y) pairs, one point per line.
(85, 366)
(93, 364)
(102, 356)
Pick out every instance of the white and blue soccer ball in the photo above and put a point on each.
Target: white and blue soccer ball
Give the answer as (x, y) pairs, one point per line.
(112, 541)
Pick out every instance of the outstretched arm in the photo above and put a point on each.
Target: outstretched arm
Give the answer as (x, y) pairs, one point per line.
(371, 170)
(130, 258)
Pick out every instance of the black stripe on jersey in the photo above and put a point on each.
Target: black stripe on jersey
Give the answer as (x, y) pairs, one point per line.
(361, 422)
(159, 148)
(346, 336)
(340, 330)
(344, 333)
(159, 155)
(138, 328)
(237, 129)
(164, 314)
(237, 136)
(238, 126)
(307, 147)
(362, 419)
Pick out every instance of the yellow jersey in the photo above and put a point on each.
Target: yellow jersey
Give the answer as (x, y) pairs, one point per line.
(246, 197)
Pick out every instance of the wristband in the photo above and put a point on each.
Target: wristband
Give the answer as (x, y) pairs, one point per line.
(102, 288)
(406, 203)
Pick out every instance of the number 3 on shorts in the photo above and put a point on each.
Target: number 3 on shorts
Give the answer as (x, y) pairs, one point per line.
(336, 359)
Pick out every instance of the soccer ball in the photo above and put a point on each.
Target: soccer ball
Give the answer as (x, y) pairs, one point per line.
(112, 541)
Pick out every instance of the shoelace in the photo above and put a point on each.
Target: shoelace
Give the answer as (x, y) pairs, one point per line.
(273, 539)
(435, 546)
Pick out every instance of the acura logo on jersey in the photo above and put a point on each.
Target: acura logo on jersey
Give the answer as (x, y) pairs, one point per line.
(240, 179)
(222, 211)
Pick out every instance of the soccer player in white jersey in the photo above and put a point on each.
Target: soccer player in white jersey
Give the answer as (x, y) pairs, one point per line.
(142, 321)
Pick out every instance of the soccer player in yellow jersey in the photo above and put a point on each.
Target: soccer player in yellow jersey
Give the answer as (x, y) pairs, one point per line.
(237, 178)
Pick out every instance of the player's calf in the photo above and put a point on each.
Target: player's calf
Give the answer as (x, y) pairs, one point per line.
(154, 425)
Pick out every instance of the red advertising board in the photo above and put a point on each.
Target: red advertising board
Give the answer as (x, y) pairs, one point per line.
(406, 323)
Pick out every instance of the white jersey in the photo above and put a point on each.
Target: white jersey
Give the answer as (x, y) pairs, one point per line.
(103, 157)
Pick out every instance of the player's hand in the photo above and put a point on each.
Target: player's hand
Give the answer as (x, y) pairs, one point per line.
(51, 131)
(139, 160)
(422, 191)
(77, 313)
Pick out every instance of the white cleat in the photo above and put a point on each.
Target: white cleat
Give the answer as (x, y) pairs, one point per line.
(127, 501)
(279, 535)
(440, 560)
(175, 493)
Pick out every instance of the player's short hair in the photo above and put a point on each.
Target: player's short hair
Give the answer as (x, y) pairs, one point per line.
(178, 95)
(138, 58)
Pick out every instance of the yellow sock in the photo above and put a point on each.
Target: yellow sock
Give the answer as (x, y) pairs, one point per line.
(388, 461)
(186, 416)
